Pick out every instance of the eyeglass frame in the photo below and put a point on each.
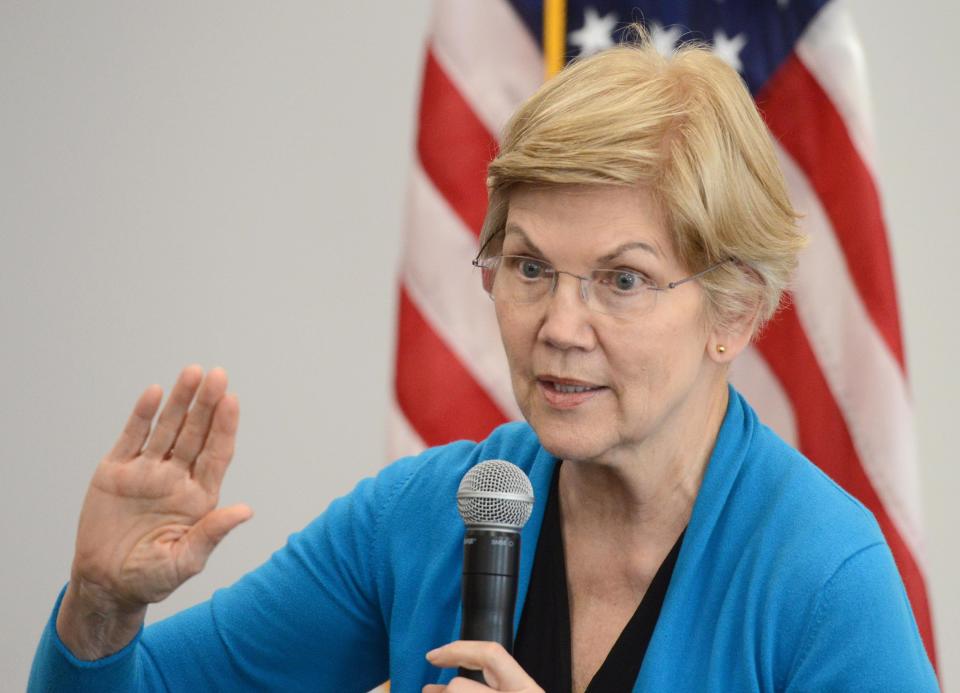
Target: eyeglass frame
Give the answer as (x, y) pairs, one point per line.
(585, 282)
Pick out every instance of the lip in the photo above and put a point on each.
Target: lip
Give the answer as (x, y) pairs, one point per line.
(566, 400)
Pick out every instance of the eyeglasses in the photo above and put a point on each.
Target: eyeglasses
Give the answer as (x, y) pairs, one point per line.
(621, 292)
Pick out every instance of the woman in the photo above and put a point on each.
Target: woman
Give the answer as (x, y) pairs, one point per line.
(638, 236)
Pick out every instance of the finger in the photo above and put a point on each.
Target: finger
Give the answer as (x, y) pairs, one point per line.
(171, 417)
(500, 670)
(213, 460)
(458, 684)
(195, 428)
(462, 685)
(200, 541)
(135, 433)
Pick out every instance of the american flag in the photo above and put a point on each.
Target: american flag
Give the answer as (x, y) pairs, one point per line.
(828, 374)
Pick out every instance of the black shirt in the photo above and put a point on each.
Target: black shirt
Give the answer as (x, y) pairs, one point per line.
(542, 646)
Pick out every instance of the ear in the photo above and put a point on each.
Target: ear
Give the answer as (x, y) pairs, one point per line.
(725, 343)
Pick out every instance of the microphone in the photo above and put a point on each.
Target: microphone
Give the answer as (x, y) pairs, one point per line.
(495, 499)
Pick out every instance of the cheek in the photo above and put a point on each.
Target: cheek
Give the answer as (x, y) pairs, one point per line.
(650, 363)
(515, 334)
(639, 370)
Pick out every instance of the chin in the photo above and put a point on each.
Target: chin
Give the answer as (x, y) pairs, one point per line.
(570, 440)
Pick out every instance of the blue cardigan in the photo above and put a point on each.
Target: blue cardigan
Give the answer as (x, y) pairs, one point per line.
(784, 582)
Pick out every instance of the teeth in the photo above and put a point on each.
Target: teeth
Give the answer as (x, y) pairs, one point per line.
(571, 388)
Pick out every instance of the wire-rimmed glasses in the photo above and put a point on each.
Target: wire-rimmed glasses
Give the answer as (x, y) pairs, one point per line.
(621, 292)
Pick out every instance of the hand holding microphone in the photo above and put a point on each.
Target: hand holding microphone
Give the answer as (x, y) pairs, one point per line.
(495, 500)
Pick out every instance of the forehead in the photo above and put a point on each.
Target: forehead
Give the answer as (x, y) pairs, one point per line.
(588, 220)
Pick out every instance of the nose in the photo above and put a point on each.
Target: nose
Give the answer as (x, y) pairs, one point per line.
(567, 320)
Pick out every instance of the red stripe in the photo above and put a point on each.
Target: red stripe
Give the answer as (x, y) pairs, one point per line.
(804, 120)
(439, 397)
(824, 438)
(454, 146)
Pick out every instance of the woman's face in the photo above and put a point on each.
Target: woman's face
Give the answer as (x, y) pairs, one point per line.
(645, 374)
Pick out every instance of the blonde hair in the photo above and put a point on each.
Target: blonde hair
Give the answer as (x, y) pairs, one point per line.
(685, 128)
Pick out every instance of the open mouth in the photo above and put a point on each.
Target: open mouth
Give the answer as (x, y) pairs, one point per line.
(560, 387)
(565, 393)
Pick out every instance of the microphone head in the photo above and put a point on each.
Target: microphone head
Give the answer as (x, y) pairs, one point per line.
(495, 494)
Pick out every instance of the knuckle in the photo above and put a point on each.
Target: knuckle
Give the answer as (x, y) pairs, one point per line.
(492, 649)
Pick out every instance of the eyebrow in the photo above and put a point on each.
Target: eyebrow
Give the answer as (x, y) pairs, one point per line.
(513, 229)
(621, 249)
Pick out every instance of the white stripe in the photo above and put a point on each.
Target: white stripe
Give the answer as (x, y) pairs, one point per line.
(402, 440)
(751, 375)
(488, 53)
(437, 273)
(862, 374)
(831, 50)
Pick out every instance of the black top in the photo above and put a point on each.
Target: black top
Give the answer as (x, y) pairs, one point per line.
(542, 646)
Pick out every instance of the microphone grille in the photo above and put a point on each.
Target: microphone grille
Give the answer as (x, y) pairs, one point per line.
(495, 493)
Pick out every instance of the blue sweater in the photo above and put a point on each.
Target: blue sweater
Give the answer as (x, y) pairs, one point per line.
(783, 582)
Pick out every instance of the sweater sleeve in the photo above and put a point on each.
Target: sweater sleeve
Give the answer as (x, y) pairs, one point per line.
(310, 618)
(862, 635)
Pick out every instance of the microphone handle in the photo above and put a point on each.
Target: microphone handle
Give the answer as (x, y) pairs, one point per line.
(489, 589)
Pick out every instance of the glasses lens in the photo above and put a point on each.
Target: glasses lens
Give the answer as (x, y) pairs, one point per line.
(516, 279)
(620, 292)
(521, 279)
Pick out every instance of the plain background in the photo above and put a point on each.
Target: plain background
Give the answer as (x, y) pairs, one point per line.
(223, 183)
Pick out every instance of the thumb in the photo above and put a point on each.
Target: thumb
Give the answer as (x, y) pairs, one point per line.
(203, 537)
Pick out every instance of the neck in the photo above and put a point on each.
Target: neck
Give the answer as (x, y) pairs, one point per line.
(647, 490)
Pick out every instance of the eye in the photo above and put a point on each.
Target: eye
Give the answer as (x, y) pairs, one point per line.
(529, 268)
(625, 281)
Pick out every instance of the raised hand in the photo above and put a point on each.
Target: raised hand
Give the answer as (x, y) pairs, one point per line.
(150, 518)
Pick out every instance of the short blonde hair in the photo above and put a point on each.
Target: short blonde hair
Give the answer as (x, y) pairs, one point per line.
(684, 127)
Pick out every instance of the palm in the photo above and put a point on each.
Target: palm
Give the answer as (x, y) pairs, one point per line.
(150, 518)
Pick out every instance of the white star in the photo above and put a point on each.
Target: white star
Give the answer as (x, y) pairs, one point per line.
(664, 40)
(596, 33)
(728, 49)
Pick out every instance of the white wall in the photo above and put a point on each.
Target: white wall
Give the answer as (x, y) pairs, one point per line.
(223, 182)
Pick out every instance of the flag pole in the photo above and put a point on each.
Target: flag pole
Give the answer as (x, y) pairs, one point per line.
(554, 36)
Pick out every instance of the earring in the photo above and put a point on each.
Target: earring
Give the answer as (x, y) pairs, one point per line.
(721, 348)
